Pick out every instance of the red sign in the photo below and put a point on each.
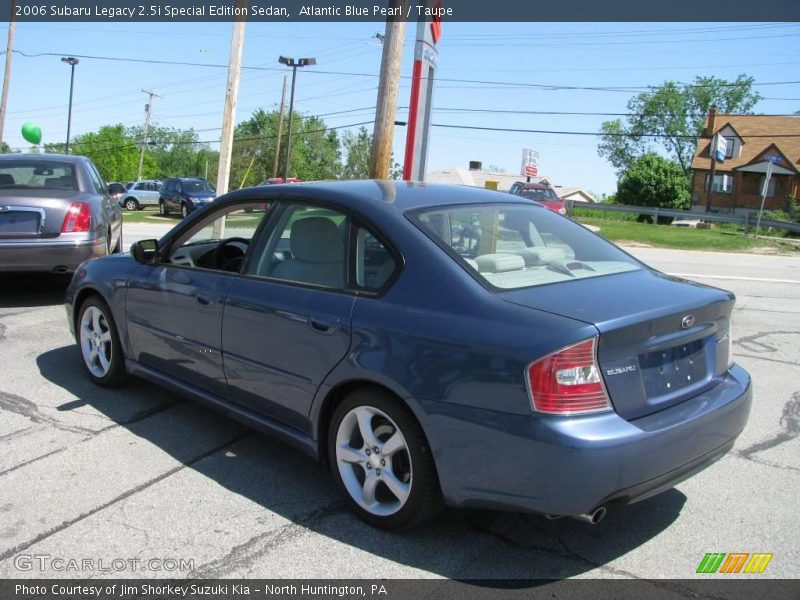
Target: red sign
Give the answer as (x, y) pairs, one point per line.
(436, 23)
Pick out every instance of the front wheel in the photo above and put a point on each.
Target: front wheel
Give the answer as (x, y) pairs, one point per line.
(381, 461)
(184, 211)
(99, 343)
(131, 204)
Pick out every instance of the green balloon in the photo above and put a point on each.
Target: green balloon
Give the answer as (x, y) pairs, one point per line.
(32, 132)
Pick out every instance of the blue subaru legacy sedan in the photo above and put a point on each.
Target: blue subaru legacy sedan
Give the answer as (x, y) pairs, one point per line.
(431, 344)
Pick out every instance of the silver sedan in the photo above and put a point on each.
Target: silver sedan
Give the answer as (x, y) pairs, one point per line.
(55, 213)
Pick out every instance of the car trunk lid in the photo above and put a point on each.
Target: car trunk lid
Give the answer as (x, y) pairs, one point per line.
(34, 214)
(662, 339)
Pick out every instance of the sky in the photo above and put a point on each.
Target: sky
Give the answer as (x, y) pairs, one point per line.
(482, 67)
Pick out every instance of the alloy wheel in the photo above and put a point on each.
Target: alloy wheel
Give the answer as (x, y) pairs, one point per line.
(374, 461)
(96, 341)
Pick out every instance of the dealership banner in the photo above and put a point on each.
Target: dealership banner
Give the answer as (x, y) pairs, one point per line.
(395, 589)
(277, 11)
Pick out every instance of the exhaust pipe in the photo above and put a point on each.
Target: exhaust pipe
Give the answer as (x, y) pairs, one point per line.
(593, 517)
(61, 269)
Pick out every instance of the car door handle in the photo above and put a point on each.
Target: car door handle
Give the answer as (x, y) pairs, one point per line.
(323, 324)
(204, 300)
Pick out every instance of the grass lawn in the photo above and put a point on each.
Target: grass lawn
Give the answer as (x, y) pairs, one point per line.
(149, 216)
(684, 238)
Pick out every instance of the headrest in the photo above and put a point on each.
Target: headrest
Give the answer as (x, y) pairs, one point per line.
(316, 240)
(536, 256)
(499, 263)
(6, 179)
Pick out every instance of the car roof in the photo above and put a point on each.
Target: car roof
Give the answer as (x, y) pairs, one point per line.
(73, 158)
(369, 194)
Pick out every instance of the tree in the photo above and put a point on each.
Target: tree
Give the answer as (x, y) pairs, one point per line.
(114, 151)
(174, 152)
(357, 148)
(676, 114)
(652, 180)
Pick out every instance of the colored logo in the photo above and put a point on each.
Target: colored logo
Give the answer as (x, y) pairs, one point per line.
(734, 562)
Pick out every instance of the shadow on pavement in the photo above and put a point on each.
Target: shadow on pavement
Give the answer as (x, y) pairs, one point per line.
(459, 544)
(32, 289)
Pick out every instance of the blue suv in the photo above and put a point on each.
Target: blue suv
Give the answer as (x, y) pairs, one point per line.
(184, 194)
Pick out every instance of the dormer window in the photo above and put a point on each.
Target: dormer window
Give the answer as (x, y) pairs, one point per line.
(729, 147)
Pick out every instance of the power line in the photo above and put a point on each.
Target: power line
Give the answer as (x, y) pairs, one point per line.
(543, 86)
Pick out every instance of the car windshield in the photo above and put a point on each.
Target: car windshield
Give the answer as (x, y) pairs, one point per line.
(22, 174)
(517, 246)
(541, 195)
(197, 186)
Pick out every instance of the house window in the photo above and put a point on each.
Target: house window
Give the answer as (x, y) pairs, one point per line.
(729, 148)
(770, 187)
(722, 184)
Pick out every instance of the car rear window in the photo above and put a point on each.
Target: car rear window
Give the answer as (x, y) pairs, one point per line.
(540, 195)
(518, 246)
(39, 174)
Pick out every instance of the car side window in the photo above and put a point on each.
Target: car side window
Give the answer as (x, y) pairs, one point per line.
(307, 245)
(221, 240)
(168, 187)
(97, 181)
(375, 264)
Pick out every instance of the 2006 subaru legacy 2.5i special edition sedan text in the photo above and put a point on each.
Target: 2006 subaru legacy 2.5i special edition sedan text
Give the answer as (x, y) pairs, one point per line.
(432, 344)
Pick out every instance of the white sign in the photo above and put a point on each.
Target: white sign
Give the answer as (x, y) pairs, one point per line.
(530, 163)
(720, 147)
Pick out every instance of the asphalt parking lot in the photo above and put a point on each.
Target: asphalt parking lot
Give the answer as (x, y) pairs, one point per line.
(138, 474)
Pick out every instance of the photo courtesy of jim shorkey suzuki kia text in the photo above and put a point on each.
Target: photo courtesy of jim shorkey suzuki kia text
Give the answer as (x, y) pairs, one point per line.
(181, 590)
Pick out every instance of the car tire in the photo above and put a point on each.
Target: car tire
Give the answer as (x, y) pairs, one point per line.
(132, 204)
(162, 208)
(118, 247)
(184, 210)
(99, 345)
(395, 486)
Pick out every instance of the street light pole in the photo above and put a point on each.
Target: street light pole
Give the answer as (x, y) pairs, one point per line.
(71, 61)
(290, 62)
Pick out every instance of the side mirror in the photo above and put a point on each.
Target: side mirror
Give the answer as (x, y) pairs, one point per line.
(145, 251)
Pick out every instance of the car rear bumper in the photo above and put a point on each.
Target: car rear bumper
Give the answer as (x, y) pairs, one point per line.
(572, 465)
(51, 256)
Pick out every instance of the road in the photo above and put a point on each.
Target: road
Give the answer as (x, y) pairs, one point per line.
(138, 473)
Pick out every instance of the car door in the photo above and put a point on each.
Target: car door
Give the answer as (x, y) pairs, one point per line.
(175, 307)
(168, 192)
(287, 320)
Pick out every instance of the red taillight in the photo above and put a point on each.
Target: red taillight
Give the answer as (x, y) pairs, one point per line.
(79, 218)
(568, 382)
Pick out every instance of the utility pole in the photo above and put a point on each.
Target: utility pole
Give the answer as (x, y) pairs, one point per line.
(12, 23)
(280, 131)
(231, 95)
(383, 132)
(713, 153)
(149, 109)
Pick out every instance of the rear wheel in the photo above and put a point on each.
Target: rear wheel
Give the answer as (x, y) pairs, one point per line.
(381, 461)
(131, 204)
(99, 343)
(162, 208)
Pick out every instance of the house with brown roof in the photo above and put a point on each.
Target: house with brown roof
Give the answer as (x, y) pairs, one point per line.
(753, 141)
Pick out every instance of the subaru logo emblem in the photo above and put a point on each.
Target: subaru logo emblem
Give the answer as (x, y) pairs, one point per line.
(687, 321)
